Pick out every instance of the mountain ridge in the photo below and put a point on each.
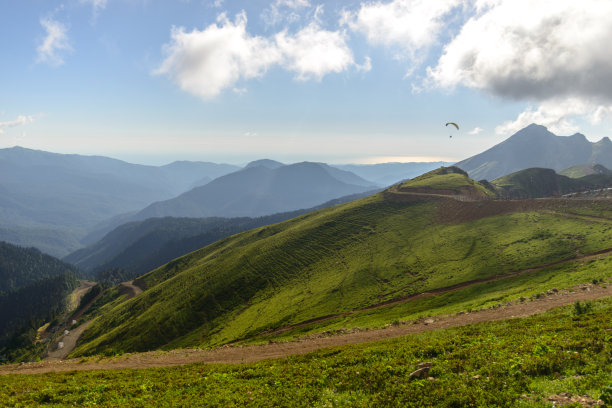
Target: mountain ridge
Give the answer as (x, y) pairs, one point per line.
(44, 194)
(535, 146)
(258, 190)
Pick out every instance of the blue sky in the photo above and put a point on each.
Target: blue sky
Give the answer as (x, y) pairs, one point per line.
(153, 81)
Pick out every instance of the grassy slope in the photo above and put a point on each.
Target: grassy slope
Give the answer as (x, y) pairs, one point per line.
(538, 182)
(513, 363)
(584, 170)
(476, 297)
(339, 259)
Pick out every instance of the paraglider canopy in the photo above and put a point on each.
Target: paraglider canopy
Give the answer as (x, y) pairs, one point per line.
(452, 123)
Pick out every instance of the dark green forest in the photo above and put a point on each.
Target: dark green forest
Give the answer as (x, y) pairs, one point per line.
(20, 267)
(34, 288)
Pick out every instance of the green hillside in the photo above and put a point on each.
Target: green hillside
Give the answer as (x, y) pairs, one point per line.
(141, 246)
(585, 170)
(20, 267)
(343, 258)
(538, 182)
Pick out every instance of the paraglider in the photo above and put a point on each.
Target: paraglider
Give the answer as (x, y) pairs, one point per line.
(452, 123)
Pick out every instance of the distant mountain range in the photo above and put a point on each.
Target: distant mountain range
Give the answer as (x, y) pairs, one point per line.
(49, 200)
(60, 203)
(259, 190)
(535, 146)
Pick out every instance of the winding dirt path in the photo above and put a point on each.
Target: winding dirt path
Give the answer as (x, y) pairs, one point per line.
(247, 354)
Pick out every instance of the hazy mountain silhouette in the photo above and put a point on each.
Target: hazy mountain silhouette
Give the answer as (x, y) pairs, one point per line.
(258, 190)
(535, 146)
(267, 163)
(44, 194)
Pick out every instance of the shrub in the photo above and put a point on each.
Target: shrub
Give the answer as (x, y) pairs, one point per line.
(582, 308)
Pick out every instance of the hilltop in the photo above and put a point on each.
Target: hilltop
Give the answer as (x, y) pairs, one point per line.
(448, 181)
(416, 237)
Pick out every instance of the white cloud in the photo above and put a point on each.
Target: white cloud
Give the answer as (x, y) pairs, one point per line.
(411, 26)
(20, 121)
(475, 131)
(532, 49)
(314, 52)
(205, 62)
(551, 53)
(55, 43)
(558, 115)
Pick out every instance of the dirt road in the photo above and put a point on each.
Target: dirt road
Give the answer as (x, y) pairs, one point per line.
(69, 341)
(246, 354)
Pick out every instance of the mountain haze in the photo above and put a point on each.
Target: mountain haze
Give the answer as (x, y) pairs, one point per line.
(259, 190)
(535, 146)
(267, 163)
(386, 174)
(46, 198)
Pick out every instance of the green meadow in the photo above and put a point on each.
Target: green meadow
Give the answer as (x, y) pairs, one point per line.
(512, 363)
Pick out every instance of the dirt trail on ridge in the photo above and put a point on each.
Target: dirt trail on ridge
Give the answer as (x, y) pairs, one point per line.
(253, 353)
